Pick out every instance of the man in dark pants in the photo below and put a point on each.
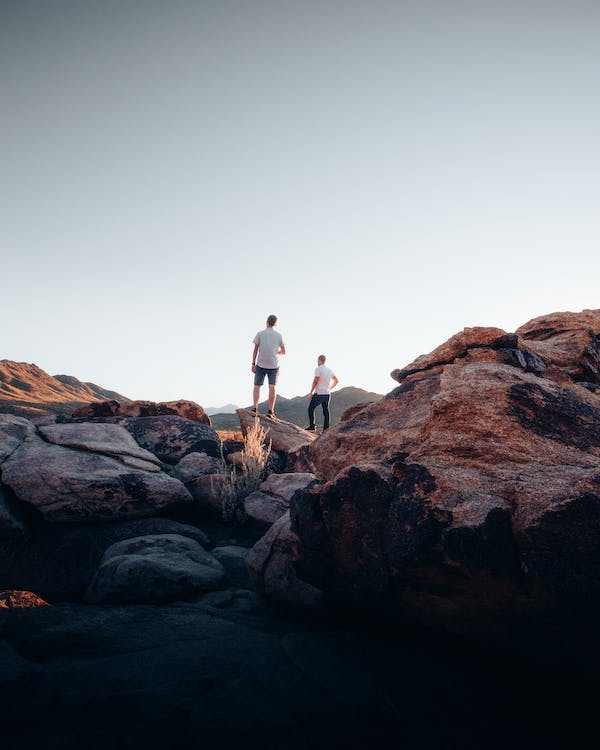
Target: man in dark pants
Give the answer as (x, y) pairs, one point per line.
(323, 383)
(268, 345)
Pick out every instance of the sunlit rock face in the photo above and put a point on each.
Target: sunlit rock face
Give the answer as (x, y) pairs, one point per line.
(470, 495)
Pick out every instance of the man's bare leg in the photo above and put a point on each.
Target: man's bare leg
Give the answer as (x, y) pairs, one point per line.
(256, 396)
(272, 396)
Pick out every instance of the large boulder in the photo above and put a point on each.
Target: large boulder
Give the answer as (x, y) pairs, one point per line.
(170, 438)
(470, 496)
(283, 436)
(182, 408)
(109, 439)
(156, 568)
(71, 486)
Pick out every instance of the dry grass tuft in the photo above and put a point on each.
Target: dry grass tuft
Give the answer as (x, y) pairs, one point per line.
(255, 456)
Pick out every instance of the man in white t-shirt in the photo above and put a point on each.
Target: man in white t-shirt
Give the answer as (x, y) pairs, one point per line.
(323, 383)
(268, 345)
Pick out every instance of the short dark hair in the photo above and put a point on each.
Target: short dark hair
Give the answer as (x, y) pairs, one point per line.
(271, 320)
(323, 357)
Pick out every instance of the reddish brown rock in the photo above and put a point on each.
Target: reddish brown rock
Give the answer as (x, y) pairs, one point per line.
(182, 408)
(14, 599)
(470, 496)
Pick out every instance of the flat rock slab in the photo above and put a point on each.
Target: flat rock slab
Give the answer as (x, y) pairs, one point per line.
(284, 436)
(97, 437)
(155, 568)
(75, 486)
(170, 438)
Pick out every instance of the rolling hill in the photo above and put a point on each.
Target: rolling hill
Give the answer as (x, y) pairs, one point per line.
(295, 409)
(27, 391)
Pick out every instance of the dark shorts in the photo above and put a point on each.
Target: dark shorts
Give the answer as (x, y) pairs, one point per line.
(259, 375)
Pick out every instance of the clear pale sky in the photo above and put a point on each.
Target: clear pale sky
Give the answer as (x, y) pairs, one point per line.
(377, 174)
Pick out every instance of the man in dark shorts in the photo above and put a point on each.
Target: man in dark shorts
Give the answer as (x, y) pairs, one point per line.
(268, 345)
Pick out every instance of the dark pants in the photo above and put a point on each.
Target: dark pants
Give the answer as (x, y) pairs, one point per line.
(314, 402)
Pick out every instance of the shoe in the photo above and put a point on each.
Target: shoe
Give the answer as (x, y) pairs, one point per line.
(310, 429)
(271, 414)
(253, 410)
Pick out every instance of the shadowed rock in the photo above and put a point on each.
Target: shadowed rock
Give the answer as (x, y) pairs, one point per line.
(59, 561)
(158, 568)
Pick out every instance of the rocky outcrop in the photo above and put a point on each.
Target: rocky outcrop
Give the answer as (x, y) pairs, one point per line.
(158, 568)
(112, 408)
(284, 436)
(170, 438)
(470, 496)
(71, 486)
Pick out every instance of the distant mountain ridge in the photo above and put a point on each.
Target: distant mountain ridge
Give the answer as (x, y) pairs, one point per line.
(227, 409)
(295, 409)
(28, 391)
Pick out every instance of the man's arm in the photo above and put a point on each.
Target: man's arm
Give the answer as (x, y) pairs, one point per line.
(254, 355)
(281, 349)
(334, 382)
(313, 386)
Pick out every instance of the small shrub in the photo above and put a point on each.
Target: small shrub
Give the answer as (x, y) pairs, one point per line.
(248, 478)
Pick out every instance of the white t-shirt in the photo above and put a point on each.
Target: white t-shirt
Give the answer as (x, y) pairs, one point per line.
(268, 342)
(324, 374)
